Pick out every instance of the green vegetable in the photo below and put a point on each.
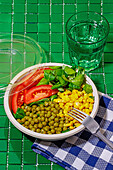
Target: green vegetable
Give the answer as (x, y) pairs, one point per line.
(39, 101)
(43, 81)
(61, 89)
(53, 97)
(88, 88)
(78, 80)
(19, 113)
(68, 70)
(61, 80)
(92, 97)
(55, 67)
(49, 75)
(65, 131)
(56, 86)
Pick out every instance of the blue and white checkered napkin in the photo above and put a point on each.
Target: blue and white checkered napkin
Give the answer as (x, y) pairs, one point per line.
(84, 150)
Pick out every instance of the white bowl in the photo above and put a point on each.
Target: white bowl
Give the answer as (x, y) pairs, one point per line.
(53, 137)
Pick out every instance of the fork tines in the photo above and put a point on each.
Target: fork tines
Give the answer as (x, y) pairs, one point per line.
(77, 114)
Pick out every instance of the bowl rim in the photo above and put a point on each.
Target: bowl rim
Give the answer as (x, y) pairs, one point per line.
(48, 137)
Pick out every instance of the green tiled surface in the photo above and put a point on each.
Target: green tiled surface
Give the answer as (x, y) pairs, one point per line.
(44, 20)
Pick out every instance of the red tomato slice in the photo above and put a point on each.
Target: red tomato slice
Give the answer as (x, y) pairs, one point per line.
(39, 92)
(19, 92)
(18, 97)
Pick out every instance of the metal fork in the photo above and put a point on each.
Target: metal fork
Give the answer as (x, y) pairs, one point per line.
(90, 124)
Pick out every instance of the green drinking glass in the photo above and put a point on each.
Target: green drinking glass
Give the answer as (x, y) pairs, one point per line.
(86, 37)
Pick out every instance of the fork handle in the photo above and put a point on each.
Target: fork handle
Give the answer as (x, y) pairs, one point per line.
(104, 139)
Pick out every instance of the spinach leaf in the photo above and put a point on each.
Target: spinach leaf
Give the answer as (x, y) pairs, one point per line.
(49, 75)
(56, 86)
(53, 97)
(19, 114)
(61, 80)
(78, 80)
(43, 81)
(61, 89)
(88, 88)
(68, 70)
(55, 67)
(39, 101)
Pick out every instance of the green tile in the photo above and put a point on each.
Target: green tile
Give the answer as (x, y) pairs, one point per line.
(71, 1)
(56, 47)
(82, 6)
(56, 58)
(4, 122)
(66, 58)
(19, 8)
(107, 8)
(3, 158)
(19, 1)
(43, 37)
(44, 9)
(5, 17)
(65, 47)
(31, 27)
(14, 167)
(110, 37)
(108, 67)
(56, 8)
(6, 8)
(56, 37)
(56, 27)
(1, 102)
(43, 18)
(29, 167)
(18, 27)
(43, 160)
(108, 57)
(43, 167)
(15, 134)
(109, 87)
(96, 1)
(3, 133)
(9, 1)
(69, 8)
(5, 27)
(29, 158)
(14, 158)
(67, 16)
(100, 87)
(57, 167)
(95, 7)
(27, 145)
(15, 145)
(108, 78)
(19, 18)
(97, 78)
(43, 1)
(3, 167)
(2, 111)
(32, 1)
(45, 46)
(57, 18)
(32, 35)
(108, 16)
(31, 18)
(32, 8)
(3, 145)
(57, 1)
(43, 27)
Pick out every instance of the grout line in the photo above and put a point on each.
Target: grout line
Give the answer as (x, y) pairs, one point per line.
(10, 78)
(63, 33)
(50, 33)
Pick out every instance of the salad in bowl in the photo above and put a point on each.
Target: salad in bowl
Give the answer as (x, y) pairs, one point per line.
(38, 106)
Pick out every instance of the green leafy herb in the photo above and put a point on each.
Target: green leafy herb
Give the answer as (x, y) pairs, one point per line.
(88, 88)
(43, 81)
(78, 80)
(92, 97)
(56, 86)
(19, 113)
(49, 75)
(55, 67)
(65, 131)
(39, 101)
(61, 89)
(53, 97)
(68, 70)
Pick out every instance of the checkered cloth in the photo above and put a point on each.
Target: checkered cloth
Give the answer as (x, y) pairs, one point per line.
(83, 150)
